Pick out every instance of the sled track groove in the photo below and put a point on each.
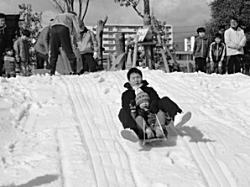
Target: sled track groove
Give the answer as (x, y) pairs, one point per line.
(123, 158)
(72, 93)
(211, 171)
(60, 159)
(101, 160)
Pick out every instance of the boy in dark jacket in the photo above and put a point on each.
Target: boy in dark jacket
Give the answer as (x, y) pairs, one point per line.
(142, 109)
(200, 51)
(21, 47)
(217, 54)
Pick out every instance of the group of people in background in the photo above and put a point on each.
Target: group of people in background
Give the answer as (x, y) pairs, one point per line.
(64, 31)
(223, 55)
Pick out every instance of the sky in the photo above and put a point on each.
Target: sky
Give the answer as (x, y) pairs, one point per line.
(184, 15)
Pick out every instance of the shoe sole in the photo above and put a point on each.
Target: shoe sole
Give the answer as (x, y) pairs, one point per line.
(128, 135)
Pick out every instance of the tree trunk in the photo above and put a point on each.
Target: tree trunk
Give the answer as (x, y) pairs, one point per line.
(146, 19)
(147, 24)
(99, 37)
(120, 46)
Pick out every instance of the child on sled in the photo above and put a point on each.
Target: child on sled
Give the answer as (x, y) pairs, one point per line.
(143, 111)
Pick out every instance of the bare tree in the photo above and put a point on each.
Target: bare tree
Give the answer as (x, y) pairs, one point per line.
(134, 4)
(146, 22)
(72, 5)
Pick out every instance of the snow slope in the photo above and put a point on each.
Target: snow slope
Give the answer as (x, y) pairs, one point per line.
(64, 131)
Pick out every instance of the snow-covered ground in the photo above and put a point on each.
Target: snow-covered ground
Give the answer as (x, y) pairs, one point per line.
(64, 131)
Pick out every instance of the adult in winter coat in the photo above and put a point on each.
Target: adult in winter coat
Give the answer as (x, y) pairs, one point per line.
(63, 27)
(200, 51)
(2, 41)
(132, 114)
(217, 54)
(235, 40)
(88, 48)
(42, 47)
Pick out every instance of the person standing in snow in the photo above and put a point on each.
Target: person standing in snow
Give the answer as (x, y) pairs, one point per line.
(141, 105)
(200, 51)
(9, 63)
(42, 46)
(217, 54)
(63, 27)
(235, 40)
(88, 48)
(2, 41)
(22, 47)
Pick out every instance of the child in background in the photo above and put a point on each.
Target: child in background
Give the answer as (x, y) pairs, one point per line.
(9, 63)
(21, 47)
(217, 54)
(88, 48)
(200, 51)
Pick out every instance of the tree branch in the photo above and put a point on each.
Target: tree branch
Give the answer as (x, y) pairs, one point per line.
(72, 5)
(134, 5)
(86, 9)
(138, 12)
(58, 6)
(80, 10)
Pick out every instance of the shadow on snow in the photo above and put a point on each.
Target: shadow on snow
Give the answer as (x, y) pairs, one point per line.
(193, 133)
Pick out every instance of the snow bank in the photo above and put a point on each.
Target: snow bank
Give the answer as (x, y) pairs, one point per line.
(64, 131)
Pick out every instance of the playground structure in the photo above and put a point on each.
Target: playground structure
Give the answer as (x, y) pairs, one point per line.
(162, 57)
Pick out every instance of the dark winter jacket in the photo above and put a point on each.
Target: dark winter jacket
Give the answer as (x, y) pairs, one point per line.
(128, 97)
(2, 40)
(217, 52)
(201, 47)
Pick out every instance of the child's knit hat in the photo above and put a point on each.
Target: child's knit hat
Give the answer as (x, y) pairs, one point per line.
(141, 97)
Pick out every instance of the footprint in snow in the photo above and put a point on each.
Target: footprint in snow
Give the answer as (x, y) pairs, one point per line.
(101, 80)
(96, 76)
(106, 91)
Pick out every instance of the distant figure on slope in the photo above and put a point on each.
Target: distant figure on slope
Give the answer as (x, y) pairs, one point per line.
(217, 55)
(42, 46)
(88, 48)
(9, 63)
(63, 27)
(22, 47)
(142, 109)
(235, 40)
(2, 40)
(200, 50)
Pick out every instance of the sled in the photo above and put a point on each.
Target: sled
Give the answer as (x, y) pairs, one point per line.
(155, 139)
(130, 135)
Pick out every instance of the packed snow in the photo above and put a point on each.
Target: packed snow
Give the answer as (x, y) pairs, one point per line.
(64, 131)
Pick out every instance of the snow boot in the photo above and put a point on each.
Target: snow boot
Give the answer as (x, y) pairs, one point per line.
(158, 131)
(129, 135)
(149, 133)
